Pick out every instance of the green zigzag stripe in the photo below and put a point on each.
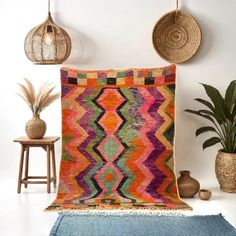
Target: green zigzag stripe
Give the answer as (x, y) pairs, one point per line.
(99, 136)
(126, 134)
(65, 156)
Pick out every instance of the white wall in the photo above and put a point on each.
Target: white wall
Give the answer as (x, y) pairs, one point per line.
(114, 34)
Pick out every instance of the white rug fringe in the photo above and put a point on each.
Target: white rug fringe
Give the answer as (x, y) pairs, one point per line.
(123, 212)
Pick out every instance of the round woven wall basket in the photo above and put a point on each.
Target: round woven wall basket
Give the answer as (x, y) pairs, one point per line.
(176, 36)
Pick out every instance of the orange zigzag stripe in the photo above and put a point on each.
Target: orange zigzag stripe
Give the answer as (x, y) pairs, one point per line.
(131, 163)
(81, 162)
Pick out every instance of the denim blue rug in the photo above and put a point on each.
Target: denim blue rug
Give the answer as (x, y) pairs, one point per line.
(141, 225)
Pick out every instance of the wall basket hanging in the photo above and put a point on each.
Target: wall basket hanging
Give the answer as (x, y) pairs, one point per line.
(176, 36)
(47, 43)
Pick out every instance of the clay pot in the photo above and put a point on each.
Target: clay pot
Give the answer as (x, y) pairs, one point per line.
(225, 168)
(187, 185)
(35, 128)
(204, 194)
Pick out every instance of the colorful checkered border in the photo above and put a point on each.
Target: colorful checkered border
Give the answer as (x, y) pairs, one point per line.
(131, 77)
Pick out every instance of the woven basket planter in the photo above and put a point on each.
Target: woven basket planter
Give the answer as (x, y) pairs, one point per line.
(35, 128)
(226, 171)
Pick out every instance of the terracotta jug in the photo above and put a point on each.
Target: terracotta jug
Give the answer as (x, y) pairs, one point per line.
(187, 185)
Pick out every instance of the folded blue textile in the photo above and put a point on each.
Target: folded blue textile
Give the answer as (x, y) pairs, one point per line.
(141, 225)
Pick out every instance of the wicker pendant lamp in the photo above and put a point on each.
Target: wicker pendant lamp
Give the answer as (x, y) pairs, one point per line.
(47, 43)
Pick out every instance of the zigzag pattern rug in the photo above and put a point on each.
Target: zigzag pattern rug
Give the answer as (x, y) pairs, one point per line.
(118, 131)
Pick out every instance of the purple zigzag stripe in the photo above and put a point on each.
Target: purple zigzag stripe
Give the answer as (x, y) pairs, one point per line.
(135, 109)
(83, 122)
(65, 90)
(159, 147)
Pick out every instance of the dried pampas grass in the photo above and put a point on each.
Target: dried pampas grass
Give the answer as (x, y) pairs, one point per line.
(37, 101)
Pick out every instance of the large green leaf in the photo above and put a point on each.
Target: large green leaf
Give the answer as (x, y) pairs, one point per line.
(217, 99)
(210, 142)
(230, 96)
(206, 103)
(234, 130)
(212, 114)
(233, 114)
(200, 114)
(205, 129)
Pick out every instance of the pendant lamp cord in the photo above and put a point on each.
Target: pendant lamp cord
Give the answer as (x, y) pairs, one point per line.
(177, 6)
(48, 6)
(176, 10)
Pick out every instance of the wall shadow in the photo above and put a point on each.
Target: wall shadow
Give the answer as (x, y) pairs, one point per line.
(206, 34)
(84, 48)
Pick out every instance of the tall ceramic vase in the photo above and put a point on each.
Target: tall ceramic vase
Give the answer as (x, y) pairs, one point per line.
(226, 171)
(187, 185)
(35, 128)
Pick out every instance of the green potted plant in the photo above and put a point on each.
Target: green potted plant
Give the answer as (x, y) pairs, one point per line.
(37, 102)
(221, 113)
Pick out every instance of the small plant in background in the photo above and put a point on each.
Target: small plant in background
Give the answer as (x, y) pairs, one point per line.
(221, 112)
(37, 102)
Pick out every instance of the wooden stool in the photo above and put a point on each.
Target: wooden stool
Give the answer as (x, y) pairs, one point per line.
(47, 143)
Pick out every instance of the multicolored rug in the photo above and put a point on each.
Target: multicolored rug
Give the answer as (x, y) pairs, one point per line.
(118, 131)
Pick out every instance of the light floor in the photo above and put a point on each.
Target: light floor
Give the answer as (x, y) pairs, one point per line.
(23, 215)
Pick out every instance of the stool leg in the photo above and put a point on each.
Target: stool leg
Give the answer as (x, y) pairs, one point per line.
(26, 166)
(54, 167)
(48, 169)
(21, 168)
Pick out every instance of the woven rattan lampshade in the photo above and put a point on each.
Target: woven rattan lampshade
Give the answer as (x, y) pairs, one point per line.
(47, 43)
